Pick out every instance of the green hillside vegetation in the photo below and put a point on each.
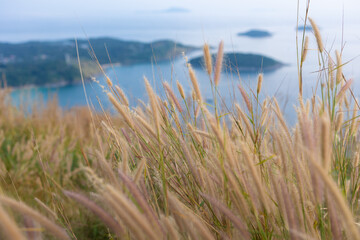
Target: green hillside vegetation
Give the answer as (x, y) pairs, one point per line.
(44, 63)
(244, 62)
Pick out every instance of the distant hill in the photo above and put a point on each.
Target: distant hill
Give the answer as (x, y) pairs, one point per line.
(255, 33)
(243, 62)
(52, 62)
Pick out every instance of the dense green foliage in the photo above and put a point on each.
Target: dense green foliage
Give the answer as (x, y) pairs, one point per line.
(42, 72)
(244, 62)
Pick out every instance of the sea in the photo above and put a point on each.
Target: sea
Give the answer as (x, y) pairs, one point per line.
(282, 83)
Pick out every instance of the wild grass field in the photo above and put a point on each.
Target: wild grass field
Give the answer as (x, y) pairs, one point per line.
(178, 168)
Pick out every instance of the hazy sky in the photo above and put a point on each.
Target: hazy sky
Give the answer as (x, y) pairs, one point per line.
(25, 9)
(18, 16)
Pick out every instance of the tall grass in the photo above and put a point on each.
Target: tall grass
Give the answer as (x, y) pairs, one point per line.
(178, 168)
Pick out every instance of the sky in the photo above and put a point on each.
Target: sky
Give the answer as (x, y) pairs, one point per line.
(39, 17)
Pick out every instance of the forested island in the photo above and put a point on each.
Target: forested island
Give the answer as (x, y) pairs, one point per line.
(255, 33)
(55, 62)
(244, 62)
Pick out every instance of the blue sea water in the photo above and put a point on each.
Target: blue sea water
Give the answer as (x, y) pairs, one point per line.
(282, 83)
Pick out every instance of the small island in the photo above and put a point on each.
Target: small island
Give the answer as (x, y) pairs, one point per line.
(302, 27)
(243, 62)
(255, 33)
(54, 63)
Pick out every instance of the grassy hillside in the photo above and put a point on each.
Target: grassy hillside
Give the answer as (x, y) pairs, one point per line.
(177, 168)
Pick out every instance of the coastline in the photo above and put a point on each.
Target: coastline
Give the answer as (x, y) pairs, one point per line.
(63, 83)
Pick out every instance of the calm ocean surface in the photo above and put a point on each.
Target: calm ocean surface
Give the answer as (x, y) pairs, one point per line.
(282, 83)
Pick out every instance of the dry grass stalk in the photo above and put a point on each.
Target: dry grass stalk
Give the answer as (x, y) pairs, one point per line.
(334, 220)
(194, 133)
(246, 121)
(22, 208)
(339, 200)
(139, 171)
(343, 90)
(121, 110)
(195, 83)
(228, 213)
(191, 163)
(246, 98)
(9, 227)
(331, 73)
(153, 104)
(259, 83)
(218, 63)
(172, 96)
(52, 213)
(143, 123)
(280, 117)
(255, 175)
(326, 143)
(98, 211)
(123, 215)
(305, 50)
(136, 217)
(181, 90)
(185, 215)
(289, 210)
(169, 225)
(317, 35)
(140, 199)
(339, 76)
(122, 95)
(339, 120)
(207, 59)
(109, 82)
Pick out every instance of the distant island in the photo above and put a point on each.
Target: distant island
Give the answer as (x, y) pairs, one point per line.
(307, 28)
(176, 10)
(244, 62)
(255, 33)
(52, 63)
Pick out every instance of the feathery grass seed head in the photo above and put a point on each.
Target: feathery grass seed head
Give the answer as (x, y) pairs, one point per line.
(153, 104)
(317, 35)
(218, 63)
(109, 82)
(181, 89)
(339, 76)
(172, 96)
(207, 59)
(195, 84)
(259, 83)
(305, 50)
(245, 97)
(122, 95)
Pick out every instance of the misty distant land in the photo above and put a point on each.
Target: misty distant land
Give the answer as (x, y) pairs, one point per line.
(255, 33)
(243, 62)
